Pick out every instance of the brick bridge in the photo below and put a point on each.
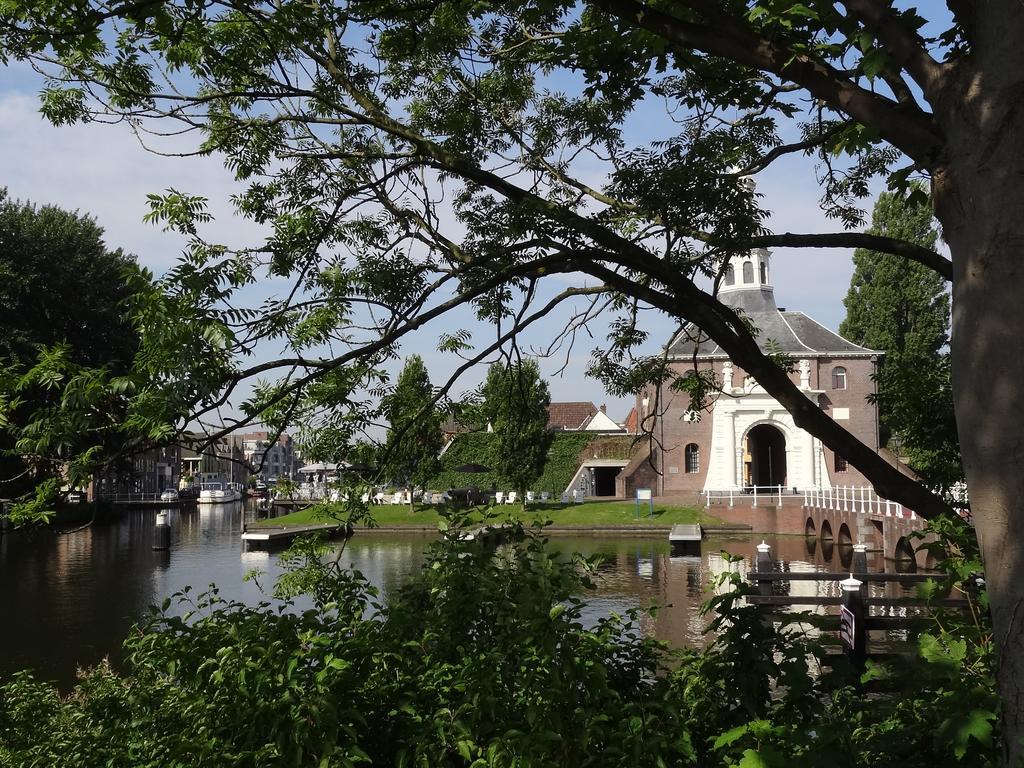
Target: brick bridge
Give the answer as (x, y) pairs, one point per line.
(839, 516)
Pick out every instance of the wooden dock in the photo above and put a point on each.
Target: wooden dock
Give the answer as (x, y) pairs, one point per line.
(685, 539)
(266, 536)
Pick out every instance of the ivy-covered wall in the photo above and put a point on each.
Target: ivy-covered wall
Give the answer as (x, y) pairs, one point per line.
(563, 459)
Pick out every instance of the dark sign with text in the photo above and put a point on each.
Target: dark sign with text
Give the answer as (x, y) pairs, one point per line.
(846, 626)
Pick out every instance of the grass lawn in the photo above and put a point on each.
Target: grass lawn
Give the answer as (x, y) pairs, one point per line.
(580, 515)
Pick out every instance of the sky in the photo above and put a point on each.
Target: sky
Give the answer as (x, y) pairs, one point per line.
(103, 170)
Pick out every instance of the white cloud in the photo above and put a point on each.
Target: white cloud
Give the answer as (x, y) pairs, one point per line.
(102, 170)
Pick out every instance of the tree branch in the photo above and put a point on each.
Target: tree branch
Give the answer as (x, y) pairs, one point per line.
(910, 130)
(924, 256)
(904, 45)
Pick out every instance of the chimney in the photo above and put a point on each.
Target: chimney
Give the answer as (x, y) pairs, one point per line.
(604, 408)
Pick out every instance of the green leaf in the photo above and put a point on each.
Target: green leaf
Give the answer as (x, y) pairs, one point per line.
(874, 62)
(753, 759)
(977, 725)
(732, 735)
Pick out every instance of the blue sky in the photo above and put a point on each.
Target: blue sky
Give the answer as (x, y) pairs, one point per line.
(102, 170)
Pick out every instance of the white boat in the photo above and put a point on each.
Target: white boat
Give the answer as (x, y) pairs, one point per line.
(218, 492)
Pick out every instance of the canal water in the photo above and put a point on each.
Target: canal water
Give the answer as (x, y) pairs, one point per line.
(70, 599)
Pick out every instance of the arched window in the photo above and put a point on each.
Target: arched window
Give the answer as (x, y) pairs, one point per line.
(764, 273)
(692, 456)
(839, 377)
(748, 272)
(730, 275)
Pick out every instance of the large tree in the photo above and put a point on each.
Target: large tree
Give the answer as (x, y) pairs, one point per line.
(515, 404)
(62, 295)
(903, 309)
(414, 437)
(465, 152)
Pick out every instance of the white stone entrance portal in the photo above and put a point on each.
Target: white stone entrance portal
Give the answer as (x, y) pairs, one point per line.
(736, 412)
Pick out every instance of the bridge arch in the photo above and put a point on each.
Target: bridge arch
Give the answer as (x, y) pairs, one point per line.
(811, 543)
(845, 538)
(810, 529)
(904, 555)
(826, 530)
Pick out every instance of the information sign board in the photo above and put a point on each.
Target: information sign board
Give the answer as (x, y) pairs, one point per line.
(846, 626)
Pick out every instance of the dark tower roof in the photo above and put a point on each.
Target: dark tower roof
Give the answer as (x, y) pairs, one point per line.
(792, 333)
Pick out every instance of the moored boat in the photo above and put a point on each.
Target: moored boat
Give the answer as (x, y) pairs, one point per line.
(217, 492)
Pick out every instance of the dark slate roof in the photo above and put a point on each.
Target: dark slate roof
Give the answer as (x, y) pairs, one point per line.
(794, 333)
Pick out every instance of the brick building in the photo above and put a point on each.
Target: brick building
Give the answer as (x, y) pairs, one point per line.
(746, 438)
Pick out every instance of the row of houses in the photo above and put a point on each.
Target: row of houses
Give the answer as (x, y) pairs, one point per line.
(195, 459)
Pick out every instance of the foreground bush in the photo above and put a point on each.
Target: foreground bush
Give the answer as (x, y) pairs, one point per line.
(484, 660)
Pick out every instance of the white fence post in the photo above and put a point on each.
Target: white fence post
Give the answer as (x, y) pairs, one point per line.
(780, 495)
(730, 497)
(755, 495)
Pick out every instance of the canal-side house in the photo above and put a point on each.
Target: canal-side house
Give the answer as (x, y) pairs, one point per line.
(269, 458)
(147, 472)
(201, 461)
(746, 438)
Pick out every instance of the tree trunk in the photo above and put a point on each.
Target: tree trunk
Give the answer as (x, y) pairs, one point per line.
(988, 376)
(979, 197)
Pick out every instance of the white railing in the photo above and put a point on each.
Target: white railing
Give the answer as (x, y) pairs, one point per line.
(859, 499)
(758, 495)
(128, 498)
(843, 498)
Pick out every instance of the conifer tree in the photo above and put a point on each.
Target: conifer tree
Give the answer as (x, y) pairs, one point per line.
(903, 309)
(515, 403)
(414, 437)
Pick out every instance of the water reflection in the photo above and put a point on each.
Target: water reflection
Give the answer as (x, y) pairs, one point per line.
(72, 598)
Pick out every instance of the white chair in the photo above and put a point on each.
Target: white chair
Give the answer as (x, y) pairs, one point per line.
(565, 498)
(365, 498)
(407, 498)
(396, 498)
(544, 496)
(511, 498)
(499, 497)
(378, 498)
(530, 497)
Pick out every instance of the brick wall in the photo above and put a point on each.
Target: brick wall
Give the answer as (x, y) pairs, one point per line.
(852, 401)
(673, 430)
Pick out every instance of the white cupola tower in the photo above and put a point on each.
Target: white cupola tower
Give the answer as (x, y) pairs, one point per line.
(748, 271)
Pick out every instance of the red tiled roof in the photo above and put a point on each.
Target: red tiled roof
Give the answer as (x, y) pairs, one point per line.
(570, 416)
(632, 423)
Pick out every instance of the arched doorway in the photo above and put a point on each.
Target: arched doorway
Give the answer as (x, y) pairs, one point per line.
(765, 459)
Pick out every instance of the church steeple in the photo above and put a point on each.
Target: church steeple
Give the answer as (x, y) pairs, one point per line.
(748, 271)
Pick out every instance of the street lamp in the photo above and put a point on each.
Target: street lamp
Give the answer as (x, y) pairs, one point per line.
(896, 442)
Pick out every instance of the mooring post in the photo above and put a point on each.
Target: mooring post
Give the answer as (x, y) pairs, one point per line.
(764, 565)
(162, 532)
(852, 617)
(859, 565)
